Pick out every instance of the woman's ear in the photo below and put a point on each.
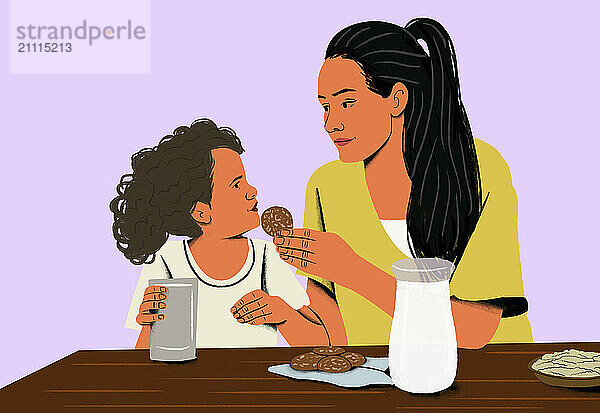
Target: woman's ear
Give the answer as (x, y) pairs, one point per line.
(201, 213)
(399, 98)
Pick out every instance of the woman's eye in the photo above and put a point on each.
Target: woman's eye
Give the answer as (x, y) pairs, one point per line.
(237, 185)
(326, 108)
(348, 104)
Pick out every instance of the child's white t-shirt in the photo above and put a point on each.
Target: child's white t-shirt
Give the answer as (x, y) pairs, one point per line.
(263, 270)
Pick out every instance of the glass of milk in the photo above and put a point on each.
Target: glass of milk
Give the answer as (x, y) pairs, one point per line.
(422, 348)
(174, 337)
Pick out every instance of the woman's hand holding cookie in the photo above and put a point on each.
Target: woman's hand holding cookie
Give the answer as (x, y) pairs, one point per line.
(153, 300)
(324, 254)
(258, 307)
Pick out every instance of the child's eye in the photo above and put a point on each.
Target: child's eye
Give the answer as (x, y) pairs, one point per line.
(237, 185)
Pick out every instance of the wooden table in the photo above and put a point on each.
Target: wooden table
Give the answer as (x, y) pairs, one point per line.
(495, 378)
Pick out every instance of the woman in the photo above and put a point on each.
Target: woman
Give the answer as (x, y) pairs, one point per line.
(411, 181)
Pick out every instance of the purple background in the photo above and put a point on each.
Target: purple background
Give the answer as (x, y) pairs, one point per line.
(530, 84)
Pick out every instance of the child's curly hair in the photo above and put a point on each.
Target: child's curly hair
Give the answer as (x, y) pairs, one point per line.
(167, 180)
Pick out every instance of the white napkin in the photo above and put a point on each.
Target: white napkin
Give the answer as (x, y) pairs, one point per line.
(372, 372)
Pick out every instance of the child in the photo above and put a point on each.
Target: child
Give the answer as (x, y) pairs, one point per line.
(194, 184)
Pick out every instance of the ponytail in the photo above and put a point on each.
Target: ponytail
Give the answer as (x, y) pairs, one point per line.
(448, 191)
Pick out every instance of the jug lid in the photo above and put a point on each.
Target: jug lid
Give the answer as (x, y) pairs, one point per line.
(423, 269)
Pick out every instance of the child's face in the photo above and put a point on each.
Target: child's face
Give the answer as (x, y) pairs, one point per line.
(234, 206)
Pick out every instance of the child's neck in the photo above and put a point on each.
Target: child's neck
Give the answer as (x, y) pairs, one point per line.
(219, 258)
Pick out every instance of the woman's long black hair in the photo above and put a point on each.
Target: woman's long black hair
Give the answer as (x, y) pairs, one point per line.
(439, 153)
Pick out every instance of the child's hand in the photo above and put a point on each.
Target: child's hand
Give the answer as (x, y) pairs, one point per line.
(258, 307)
(153, 300)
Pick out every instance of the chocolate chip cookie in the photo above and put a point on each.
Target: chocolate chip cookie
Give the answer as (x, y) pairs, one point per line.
(334, 364)
(329, 350)
(306, 361)
(355, 359)
(276, 218)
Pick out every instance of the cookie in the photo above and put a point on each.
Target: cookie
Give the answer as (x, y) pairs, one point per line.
(276, 218)
(355, 359)
(329, 350)
(334, 364)
(306, 361)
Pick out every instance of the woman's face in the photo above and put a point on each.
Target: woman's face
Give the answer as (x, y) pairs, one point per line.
(357, 119)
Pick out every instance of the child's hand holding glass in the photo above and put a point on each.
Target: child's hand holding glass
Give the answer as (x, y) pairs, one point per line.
(154, 297)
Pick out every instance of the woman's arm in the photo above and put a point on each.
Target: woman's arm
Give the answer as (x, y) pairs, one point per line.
(301, 329)
(328, 256)
(324, 305)
(374, 284)
(475, 323)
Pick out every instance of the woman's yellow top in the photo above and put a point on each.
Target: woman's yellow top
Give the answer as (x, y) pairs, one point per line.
(338, 200)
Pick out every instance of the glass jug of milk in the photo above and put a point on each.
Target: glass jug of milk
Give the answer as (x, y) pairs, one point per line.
(422, 348)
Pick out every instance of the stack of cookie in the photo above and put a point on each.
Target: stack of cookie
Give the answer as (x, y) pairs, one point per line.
(329, 359)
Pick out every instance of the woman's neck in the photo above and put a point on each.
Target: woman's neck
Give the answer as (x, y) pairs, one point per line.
(387, 179)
